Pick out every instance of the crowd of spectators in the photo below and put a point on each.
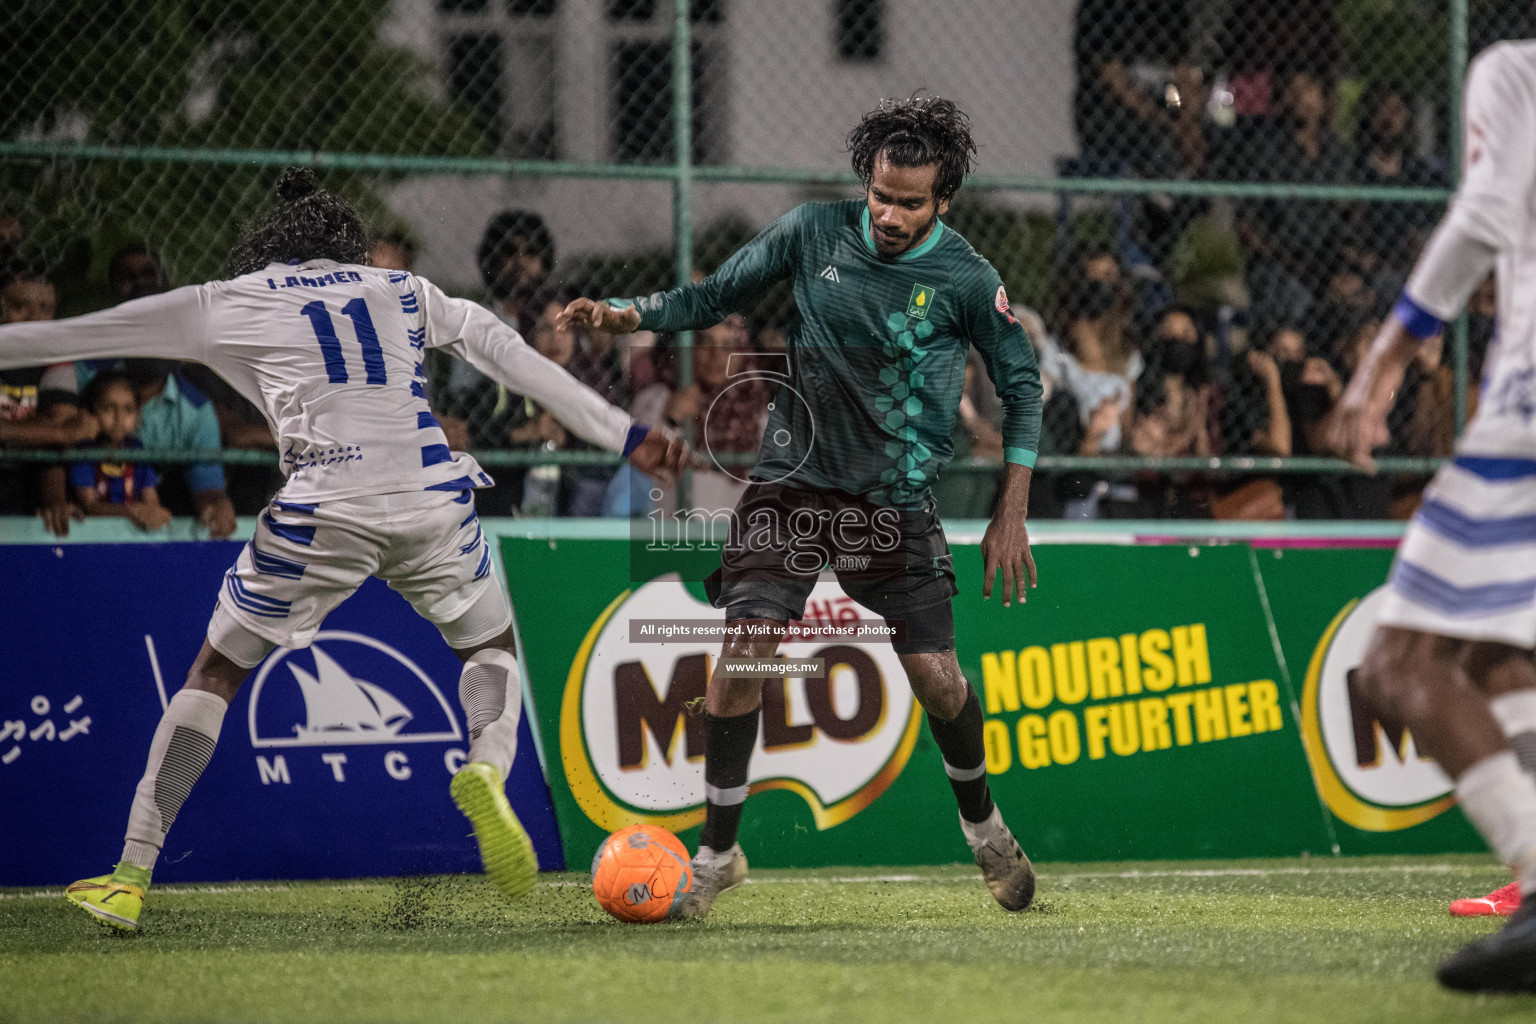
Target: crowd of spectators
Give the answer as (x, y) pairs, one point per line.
(1120, 378)
(1162, 92)
(1253, 93)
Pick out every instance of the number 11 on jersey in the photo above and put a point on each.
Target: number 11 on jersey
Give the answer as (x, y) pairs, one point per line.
(330, 345)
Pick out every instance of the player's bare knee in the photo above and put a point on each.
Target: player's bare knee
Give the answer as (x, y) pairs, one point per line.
(937, 682)
(752, 638)
(944, 701)
(507, 641)
(1497, 668)
(1402, 671)
(216, 673)
(1385, 675)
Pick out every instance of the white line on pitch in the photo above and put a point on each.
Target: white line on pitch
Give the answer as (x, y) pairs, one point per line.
(1341, 869)
(212, 890)
(1072, 875)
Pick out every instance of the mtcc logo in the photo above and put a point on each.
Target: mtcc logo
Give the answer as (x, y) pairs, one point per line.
(347, 689)
(632, 723)
(1370, 774)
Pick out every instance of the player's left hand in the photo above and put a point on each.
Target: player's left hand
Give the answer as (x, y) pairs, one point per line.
(1358, 424)
(589, 315)
(1358, 428)
(218, 516)
(1005, 549)
(664, 455)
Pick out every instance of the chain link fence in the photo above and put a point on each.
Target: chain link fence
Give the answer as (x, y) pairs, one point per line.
(1202, 207)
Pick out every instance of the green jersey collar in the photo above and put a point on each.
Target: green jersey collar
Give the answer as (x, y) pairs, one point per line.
(911, 254)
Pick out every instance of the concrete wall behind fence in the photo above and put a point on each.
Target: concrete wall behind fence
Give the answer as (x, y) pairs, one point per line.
(778, 95)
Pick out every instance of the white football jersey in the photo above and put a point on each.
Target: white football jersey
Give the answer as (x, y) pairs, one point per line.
(1495, 206)
(332, 354)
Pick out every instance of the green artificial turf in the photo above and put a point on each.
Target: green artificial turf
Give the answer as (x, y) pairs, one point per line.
(1331, 941)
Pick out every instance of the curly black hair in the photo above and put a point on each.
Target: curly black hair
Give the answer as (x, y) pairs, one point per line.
(916, 132)
(309, 223)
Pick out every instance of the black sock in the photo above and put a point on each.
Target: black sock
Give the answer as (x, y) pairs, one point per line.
(965, 757)
(728, 744)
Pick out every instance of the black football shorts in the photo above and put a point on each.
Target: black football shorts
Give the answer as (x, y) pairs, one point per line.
(895, 562)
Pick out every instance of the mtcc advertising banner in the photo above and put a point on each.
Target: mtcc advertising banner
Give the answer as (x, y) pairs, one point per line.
(333, 761)
(1150, 700)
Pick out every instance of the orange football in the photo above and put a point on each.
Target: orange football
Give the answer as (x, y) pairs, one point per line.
(640, 873)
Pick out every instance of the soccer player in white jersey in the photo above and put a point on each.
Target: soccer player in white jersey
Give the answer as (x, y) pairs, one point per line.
(1451, 656)
(332, 352)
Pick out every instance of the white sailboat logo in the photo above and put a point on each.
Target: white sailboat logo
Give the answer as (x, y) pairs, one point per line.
(336, 701)
(340, 708)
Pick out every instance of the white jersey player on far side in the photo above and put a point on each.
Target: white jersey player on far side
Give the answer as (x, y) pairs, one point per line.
(332, 351)
(1451, 656)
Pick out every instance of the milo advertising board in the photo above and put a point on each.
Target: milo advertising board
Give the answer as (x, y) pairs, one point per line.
(1149, 701)
(1381, 794)
(632, 731)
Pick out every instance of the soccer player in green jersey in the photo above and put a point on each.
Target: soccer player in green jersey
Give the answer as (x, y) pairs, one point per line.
(890, 301)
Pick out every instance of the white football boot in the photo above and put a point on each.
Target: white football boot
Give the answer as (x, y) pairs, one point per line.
(713, 874)
(1008, 874)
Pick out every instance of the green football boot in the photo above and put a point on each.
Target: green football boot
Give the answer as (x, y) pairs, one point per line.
(505, 849)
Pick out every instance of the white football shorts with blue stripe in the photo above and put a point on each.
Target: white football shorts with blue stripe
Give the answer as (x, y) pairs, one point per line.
(1467, 564)
(304, 560)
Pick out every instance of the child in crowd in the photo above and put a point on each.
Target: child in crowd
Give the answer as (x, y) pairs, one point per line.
(117, 488)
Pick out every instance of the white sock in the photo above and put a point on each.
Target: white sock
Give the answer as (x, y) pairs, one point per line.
(978, 832)
(183, 744)
(1500, 801)
(1516, 715)
(491, 691)
(710, 855)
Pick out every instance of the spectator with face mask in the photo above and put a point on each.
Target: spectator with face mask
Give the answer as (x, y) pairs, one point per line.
(1173, 393)
(1319, 387)
(1094, 361)
(1094, 358)
(1253, 410)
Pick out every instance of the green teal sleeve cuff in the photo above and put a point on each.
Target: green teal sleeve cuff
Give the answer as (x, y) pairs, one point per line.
(1019, 457)
(630, 303)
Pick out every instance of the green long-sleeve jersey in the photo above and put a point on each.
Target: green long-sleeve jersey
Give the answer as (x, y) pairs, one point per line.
(877, 362)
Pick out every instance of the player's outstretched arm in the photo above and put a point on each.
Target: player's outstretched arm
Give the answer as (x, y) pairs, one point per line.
(477, 336)
(767, 258)
(1485, 217)
(172, 325)
(1005, 545)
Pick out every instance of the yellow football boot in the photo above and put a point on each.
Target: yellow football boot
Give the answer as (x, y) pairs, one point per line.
(505, 849)
(115, 900)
